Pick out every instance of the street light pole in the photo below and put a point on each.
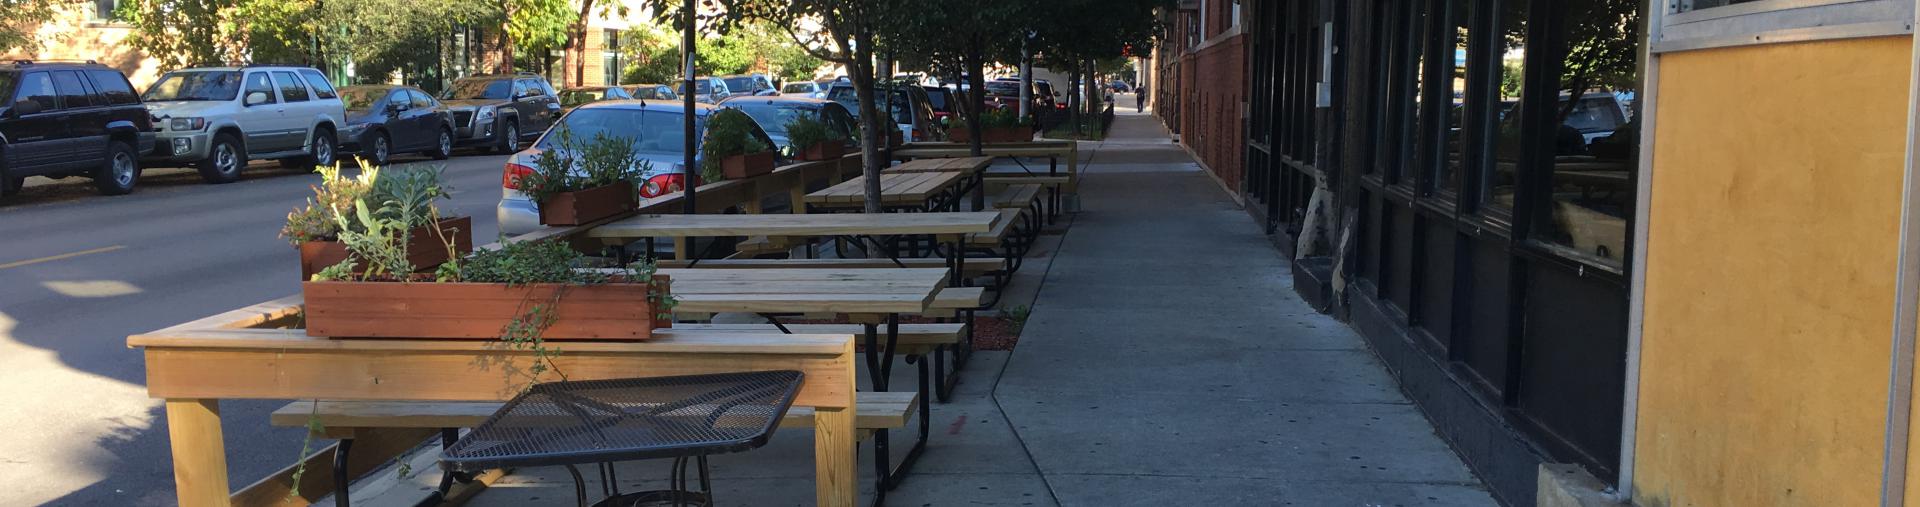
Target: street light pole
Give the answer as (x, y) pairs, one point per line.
(687, 89)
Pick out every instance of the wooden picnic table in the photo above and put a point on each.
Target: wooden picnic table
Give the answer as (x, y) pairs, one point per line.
(249, 354)
(945, 227)
(1054, 150)
(975, 169)
(921, 190)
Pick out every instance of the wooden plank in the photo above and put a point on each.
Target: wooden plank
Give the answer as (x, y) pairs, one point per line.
(665, 341)
(877, 410)
(959, 298)
(836, 460)
(800, 303)
(372, 448)
(446, 375)
(199, 453)
(798, 225)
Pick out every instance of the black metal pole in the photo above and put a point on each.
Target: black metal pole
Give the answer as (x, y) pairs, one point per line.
(686, 45)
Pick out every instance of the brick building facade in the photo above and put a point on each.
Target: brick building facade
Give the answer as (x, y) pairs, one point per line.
(1200, 84)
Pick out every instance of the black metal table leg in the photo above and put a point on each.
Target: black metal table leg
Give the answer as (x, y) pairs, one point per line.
(340, 478)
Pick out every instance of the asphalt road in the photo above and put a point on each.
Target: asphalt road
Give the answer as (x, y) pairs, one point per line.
(79, 272)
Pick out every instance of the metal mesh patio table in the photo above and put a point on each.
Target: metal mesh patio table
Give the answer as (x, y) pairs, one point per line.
(604, 421)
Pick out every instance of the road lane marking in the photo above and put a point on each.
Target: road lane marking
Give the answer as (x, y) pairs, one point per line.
(68, 255)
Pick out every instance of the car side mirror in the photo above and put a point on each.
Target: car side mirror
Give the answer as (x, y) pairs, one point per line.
(396, 108)
(255, 98)
(26, 107)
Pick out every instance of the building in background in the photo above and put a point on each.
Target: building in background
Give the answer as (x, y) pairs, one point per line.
(87, 31)
(1204, 38)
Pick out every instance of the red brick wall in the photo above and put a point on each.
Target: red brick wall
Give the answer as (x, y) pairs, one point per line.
(1211, 123)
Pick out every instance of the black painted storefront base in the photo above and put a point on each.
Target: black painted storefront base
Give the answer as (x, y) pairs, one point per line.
(1313, 280)
(1496, 451)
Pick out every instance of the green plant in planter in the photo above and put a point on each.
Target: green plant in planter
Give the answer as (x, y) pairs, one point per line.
(403, 193)
(572, 166)
(729, 133)
(804, 132)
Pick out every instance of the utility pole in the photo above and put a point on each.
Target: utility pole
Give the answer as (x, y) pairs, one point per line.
(687, 53)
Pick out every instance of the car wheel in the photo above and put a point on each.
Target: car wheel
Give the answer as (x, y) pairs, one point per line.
(321, 153)
(443, 148)
(224, 160)
(510, 137)
(378, 149)
(121, 171)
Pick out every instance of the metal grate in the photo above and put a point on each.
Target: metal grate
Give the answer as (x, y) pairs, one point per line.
(462, 119)
(592, 421)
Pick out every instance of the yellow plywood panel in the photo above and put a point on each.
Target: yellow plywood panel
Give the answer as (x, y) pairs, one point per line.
(1773, 236)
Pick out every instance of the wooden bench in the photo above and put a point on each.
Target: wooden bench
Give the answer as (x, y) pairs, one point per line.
(975, 268)
(1052, 184)
(923, 340)
(1017, 196)
(1004, 233)
(342, 419)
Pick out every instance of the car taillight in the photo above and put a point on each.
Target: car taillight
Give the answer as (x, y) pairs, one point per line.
(663, 185)
(510, 178)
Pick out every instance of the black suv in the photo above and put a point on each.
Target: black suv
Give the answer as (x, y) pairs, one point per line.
(498, 112)
(71, 119)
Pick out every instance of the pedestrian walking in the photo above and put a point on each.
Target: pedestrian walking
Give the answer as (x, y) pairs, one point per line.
(1140, 99)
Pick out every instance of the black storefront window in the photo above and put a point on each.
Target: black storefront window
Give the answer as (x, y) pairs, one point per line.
(1512, 22)
(1455, 31)
(1585, 203)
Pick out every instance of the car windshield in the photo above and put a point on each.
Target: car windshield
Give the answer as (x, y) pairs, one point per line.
(202, 85)
(937, 99)
(799, 88)
(492, 89)
(572, 98)
(355, 97)
(647, 93)
(650, 131)
(1007, 88)
(1595, 114)
(774, 117)
(740, 83)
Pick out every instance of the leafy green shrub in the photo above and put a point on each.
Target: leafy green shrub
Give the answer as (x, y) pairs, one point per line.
(572, 166)
(803, 132)
(527, 262)
(403, 193)
(729, 133)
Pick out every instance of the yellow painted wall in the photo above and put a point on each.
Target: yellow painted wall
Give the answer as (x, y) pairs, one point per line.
(1770, 274)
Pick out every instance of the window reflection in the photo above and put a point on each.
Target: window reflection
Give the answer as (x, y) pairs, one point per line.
(1595, 145)
(1448, 178)
(1512, 18)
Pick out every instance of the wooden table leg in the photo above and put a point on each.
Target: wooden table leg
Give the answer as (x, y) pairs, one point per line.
(836, 457)
(199, 453)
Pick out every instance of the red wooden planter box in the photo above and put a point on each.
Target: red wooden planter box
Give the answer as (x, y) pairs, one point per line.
(479, 311)
(740, 167)
(575, 208)
(425, 249)
(1009, 134)
(825, 150)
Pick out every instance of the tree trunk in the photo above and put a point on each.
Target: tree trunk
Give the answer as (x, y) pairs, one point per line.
(878, 128)
(976, 94)
(1096, 105)
(1074, 101)
(574, 60)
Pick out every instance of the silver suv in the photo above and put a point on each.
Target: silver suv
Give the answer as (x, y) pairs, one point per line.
(218, 118)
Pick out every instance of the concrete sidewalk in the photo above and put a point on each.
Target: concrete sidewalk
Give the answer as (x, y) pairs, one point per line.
(1167, 361)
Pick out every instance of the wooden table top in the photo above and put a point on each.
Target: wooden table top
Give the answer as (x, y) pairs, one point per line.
(960, 164)
(895, 188)
(781, 225)
(797, 290)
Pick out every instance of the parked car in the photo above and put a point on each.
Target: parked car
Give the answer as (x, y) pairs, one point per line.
(1048, 97)
(708, 90)
(573, 97)
(1004, 93)
(943, 100)
(71, 119)
(810, 89)
(773, 113)
(651, 92)
(654, 126)
(909, 106)
(1119, 87)
(498, 112)
(385, 120)
(218, 118)
(755, 84)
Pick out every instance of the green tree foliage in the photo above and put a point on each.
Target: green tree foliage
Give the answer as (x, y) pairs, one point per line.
(181, 32)
(655, 56)
(537, 27)
(18, 21)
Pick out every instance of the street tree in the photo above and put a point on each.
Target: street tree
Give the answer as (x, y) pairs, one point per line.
(19, 20)
(1077, 33)
(837, 31)
(960, 38)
